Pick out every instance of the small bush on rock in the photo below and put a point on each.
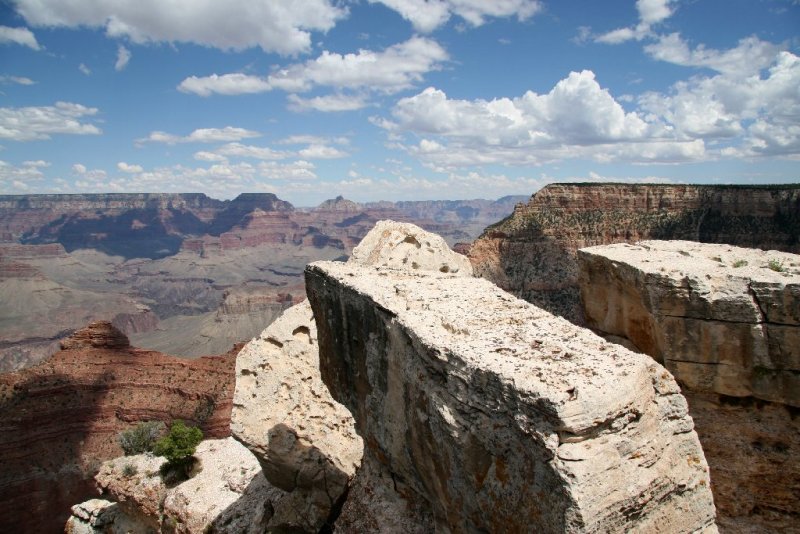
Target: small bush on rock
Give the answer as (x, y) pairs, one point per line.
(178, 448)
(141, 438)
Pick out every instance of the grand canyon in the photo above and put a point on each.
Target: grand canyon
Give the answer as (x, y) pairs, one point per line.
(603, 358)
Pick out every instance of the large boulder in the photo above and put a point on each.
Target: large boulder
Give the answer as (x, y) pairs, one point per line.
(501, 417)
(725, 321)
(226, 494)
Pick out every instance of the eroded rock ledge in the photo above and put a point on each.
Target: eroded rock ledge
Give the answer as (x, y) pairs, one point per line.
(726, 322)
(501, 417)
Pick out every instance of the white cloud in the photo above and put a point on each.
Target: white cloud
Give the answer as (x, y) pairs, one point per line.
(226, 84)
(651, 12)
(123, 56)
(19, 80)
(327, 103)
(284, 27)
(36, 123)
(749, 57)
(249, 151)
(95, 175)
(320, 151)
(20, 36)
(297, 170)
(16, 178)
(427, 15)
(313, 139)
(201, 135)
(131, 169)
(208, 156)
(391, 70)
(84, 69)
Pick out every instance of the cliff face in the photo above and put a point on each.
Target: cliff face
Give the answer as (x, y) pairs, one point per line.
(489, 414)
(532, 252)
(60, 419)
(726, 322)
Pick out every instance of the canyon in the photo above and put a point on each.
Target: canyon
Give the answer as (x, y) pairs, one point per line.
(532, 253)
(180, 273)
(60, 420)
(461, 394)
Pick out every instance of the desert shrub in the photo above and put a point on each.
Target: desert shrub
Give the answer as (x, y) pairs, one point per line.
(129, 470)
(739, 263)
(178, 447)
(776, 266)
(141, 438)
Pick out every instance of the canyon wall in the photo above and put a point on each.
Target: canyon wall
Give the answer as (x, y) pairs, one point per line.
(532, 252)
(725, 321)
(489, 414)
(60, 419)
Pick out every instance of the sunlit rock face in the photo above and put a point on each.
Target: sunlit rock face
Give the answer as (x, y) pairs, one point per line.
(725, 321)
(495, 415)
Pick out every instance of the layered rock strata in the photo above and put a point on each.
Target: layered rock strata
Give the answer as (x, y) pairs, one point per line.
(726, 322)
(226, 494)
(532, 252)
(61, 418)
(496, 416)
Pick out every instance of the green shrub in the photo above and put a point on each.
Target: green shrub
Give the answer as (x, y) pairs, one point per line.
(141, 438)
(129, 470)
(776, 266)
(739, 263)
(178, 447)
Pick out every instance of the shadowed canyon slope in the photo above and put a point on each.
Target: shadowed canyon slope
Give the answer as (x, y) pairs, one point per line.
(182, 273)
(532, 252)
(60, 419)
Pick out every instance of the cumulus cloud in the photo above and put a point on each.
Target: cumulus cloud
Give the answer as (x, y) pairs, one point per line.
(396, 68)
(249, 151)
(749, 57)
(321, 151)
(95, 175)
(123, 56)
(651, 12)
(327, 103)
(755, 114)
(297, 170)
(283, 27)
(226, 84)
(131, 169)
(427, 15)
(84, 69)
(36, 123)
(16, 178)
(20, 36)
(313, 140)
(201, 135)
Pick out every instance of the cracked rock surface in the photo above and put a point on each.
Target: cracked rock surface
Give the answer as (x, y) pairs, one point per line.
(501, 416)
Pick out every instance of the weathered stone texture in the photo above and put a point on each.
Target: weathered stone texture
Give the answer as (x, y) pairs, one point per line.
(501, 416)
(226, 494)
(304, 440)
(728, 327)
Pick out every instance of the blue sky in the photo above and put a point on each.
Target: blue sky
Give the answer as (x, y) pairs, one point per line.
(394, 99)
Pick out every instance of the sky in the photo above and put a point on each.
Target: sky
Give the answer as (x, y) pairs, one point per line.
(395, 99)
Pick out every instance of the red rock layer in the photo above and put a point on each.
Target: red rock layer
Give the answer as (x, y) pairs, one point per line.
(60, 419)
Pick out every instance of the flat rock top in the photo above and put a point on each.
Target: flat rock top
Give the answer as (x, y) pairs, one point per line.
(579, 379)
(709, 260)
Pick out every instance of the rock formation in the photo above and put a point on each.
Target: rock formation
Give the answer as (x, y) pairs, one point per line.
(60, 419)
(304, 440)
(532, 252)
(488, 414)
(726, 322)
(226, 494)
